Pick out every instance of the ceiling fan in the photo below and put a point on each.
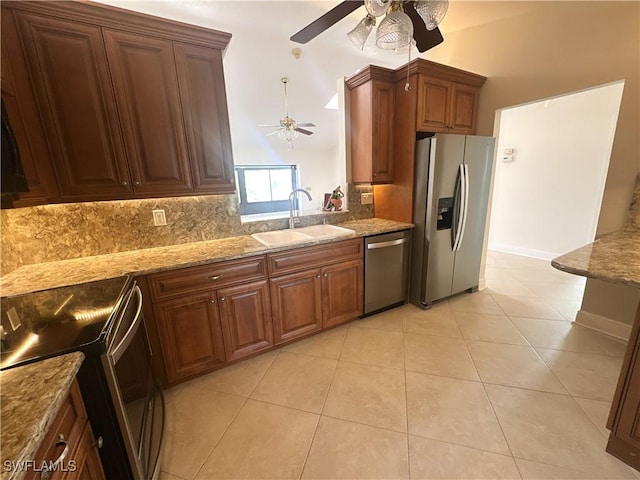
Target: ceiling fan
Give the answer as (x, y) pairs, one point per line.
(420, 18)
(288, 128)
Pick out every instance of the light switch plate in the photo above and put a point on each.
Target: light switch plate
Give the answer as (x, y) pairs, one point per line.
(366, 198)
(159, 218)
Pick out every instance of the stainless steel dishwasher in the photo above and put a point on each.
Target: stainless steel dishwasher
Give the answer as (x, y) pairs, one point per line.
(386, 270)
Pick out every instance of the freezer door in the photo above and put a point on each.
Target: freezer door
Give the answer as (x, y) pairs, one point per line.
(478, 159)
(447, 152)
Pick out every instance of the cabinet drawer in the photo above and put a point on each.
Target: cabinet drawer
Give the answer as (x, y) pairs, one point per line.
(69, 422)
(316, 256)
(206, 277)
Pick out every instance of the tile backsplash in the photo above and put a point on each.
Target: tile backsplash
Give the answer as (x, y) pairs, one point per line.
(59, 232)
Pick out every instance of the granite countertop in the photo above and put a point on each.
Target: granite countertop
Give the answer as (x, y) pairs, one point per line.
(30, 399)
(43, 276)
(613, 258)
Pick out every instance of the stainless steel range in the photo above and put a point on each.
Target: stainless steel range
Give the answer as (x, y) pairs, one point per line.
(104, 320)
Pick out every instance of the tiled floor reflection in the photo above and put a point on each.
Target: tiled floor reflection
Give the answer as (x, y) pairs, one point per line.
(495, 384)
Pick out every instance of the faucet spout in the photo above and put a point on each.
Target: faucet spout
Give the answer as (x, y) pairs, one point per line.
(291, 196)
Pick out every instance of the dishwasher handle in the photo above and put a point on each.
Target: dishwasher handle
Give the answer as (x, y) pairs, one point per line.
(390, 243)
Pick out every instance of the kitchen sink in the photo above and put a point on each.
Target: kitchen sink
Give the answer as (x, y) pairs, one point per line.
(278, 238)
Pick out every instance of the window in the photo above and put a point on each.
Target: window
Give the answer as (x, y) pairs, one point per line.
(265, 188)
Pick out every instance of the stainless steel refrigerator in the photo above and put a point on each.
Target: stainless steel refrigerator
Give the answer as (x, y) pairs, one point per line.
(453, 175)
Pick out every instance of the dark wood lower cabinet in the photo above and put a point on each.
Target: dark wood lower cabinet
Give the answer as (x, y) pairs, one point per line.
(203, 318)
(245, 312)
(624, 419)
(341, 292)
(296, 304)
(190, 335)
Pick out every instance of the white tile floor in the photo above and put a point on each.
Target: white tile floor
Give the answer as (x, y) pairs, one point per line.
(495, 384)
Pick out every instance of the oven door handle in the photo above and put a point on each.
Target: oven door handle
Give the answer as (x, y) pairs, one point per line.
(119, 349)
(156, 463)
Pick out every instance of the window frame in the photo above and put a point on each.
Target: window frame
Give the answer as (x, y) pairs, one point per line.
(272, 206)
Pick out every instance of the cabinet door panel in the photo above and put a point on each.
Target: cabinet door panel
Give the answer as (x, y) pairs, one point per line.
(341, 292)
(190, 335)
(70, 75)
(146, 87)
(245, 312)
(296, 304)
(87, 459)
(464, 104)
(204, 106)
(433, 104)
(383, 118)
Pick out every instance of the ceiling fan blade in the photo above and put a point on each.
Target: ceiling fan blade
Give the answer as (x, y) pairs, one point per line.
(424, 38)
(271, 133)
(333, 16)
(305, 124)
(303, 131)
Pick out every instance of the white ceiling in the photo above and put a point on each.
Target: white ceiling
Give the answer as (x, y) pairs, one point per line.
(259, 54)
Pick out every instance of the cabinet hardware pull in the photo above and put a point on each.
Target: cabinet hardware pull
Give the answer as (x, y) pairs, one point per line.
(99, 442)
(222, 299)
(317, 276)
(47, 473)
(212, 301)
(325, 274)
(215, 277)
(136, 183)
(125, 183)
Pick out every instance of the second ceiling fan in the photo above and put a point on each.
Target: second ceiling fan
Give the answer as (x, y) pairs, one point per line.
(404, 19)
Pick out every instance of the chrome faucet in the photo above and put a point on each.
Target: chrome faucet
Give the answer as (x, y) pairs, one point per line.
(291, 195)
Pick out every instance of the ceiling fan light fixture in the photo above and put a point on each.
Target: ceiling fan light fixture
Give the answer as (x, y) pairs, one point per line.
(362, 31)
(287, 135)
(395, 31)
(432, 12)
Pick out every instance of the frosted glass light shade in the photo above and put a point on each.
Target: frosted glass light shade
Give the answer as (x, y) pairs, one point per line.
(395, 31)
(432, 11)
(288, 135)
(376, 8)
(361, 32)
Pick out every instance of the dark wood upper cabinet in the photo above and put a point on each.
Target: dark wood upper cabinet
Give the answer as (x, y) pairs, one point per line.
(146, 88)
(70, 78)
(372, 111)
(204, 106)
(131, 106)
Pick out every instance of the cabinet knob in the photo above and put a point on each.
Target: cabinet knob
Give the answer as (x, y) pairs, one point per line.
(318, 276)
(125, 183)
(136, 183)
(325, 274)
(212, 301)
(98, 443)
(222, 299)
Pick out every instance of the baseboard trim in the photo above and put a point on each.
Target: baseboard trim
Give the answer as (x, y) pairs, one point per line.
(604, 325)
(525, 252)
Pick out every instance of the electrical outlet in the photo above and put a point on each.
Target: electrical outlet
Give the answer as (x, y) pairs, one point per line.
(366, 198)
(159, 218)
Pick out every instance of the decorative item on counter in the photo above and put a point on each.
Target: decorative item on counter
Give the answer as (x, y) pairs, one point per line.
(334, 202)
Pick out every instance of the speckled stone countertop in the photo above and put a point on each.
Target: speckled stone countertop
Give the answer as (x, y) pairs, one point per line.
(30, 399)
(613, 258)
(43, 276)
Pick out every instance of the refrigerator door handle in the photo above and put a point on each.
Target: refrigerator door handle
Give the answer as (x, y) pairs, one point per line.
(459, 206)
(465, 204)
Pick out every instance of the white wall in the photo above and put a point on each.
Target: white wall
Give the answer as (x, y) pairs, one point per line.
(547, 200)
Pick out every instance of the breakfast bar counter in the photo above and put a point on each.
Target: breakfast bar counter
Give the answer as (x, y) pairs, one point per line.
(615, 258)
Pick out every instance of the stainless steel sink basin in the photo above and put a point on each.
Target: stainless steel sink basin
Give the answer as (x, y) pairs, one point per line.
(278, 238)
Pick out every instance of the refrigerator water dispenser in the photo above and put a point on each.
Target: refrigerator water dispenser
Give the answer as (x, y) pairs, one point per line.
(445, 213)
